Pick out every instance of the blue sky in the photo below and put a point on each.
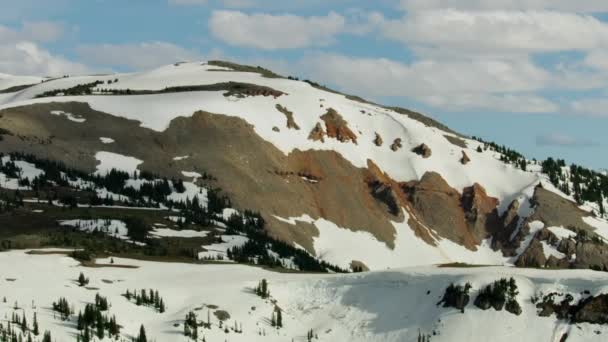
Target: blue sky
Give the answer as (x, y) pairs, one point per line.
(530, 74)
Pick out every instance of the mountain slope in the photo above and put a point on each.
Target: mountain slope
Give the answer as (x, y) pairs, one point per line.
(349, 181)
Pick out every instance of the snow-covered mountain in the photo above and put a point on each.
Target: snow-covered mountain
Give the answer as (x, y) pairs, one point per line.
(209, 164)
(350, 181)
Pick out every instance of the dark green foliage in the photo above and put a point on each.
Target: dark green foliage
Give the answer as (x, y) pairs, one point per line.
(138, 229)
(149, 298)
(191, 326)
(81, 89)
(82, 280)
(499, 294)
(456, 296)
(142, 335)
(63, 308)
(262, 289)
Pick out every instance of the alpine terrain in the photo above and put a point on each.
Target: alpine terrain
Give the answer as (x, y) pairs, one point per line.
(213, 201)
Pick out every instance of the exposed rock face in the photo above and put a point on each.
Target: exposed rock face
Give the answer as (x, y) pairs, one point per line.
(422, 150)
(291, 123)
(317, 133)
(480, 211)
(378, 140)
(337, 128)
(396, 145)
(433, 192)
(554, 210)
(225, 147)
(464, 160)
(276, 129)
(455, 141)
(533, 256)
(594, 310)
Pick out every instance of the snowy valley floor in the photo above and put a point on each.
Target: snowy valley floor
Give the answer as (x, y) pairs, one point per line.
(392, 305)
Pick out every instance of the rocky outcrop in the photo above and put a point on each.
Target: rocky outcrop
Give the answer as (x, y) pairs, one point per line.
(291, 123)
(396, 145)
(336, 127)
(480, 211)
(422, 150)
(378, 140)
(317, 133)
(593, 310)
(433, 192)
(464, 160)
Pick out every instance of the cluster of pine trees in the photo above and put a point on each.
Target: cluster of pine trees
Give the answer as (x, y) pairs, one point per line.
(583, 184)
(154, 193)
(255, 250)
(62, 307)
(80, 89)
(191, 326)
(149, 298)
(507, 155)
(93, 323)
(14, 332)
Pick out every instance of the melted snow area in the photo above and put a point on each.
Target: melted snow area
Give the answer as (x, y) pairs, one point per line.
(27, 171)
(69, 116)
(371, 307)
(115, 228)
(109, 161)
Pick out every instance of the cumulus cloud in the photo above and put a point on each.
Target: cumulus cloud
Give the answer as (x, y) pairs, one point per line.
(272, 32)
(27, 58)
(510, 31)
(580, 6)
(562, 140)
(21, 53)
(136, 56)
(500, 85)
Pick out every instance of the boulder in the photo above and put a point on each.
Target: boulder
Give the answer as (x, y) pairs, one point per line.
(396, 145)
(464, 160)
(317, 133)
(422, 150)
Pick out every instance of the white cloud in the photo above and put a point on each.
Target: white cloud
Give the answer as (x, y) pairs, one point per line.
(27, 58)
(562, 140)
(21, 53)
(271, 32)
(499, 85)
(581, 6)
(510, 31)
(136, 56)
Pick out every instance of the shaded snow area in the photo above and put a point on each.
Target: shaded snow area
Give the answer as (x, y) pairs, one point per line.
(335, 245)
(69, 116)
(166, 232)
(600, 225)
(109, 161)
(105, 140)
(391, 306)
(115, 228)
(25, 171)
(219, 250)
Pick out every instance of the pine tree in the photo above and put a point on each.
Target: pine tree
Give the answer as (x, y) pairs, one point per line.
(142, 334)
(47, 337)
(35, 328)
(279, 317)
